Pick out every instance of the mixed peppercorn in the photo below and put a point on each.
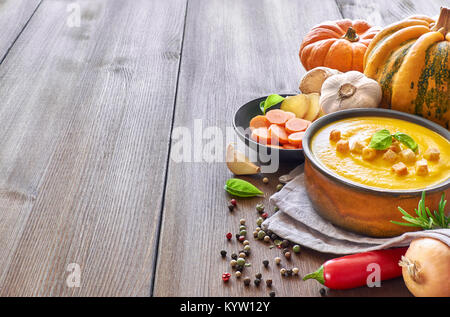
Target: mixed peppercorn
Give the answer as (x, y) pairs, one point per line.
(240, 260)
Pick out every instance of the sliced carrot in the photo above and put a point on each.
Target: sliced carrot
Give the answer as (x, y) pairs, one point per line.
(296, 125)
(296, 138)
(275, 146)
(278, 134)
(277, 116)
(259, 122)
(290, 115)
(290, 147)
(261, 135)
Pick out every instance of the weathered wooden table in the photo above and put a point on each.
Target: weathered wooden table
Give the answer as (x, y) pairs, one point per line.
(91, 92)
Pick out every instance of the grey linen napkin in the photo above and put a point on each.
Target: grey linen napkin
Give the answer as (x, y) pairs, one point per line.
(298, 222)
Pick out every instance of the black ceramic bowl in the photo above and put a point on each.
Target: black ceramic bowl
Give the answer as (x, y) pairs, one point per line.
(241, 124)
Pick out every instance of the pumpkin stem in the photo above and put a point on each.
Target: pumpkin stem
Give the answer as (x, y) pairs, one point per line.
(413, 268)
(351, 35)
(443, 23)
(346, 91)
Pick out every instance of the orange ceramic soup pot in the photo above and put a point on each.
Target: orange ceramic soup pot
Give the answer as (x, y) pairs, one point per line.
(357, 207)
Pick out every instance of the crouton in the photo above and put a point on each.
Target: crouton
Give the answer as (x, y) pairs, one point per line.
(357, 147)
(390, 156)
(369, 153)
(400, 169)
(422, 167)
(432, 154)
(335, 135)
(407, 156)
(395, 147)
(342, 146)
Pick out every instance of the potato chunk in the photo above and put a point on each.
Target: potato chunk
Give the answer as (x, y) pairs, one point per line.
(432, 154)
(407, 156)
(368, 153)
(422, 167)
(335, 135)
(342, 146)
(390, 156)
(400, 169)
(357, 147)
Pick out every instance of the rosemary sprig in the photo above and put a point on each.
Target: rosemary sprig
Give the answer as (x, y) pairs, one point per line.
(425, 218)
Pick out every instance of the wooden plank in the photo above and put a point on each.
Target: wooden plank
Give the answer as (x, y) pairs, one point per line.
(86, 114)
(14, 14)
(384, 12)
(233, 51)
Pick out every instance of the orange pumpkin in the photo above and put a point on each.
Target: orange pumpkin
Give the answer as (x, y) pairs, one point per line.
(340, 45)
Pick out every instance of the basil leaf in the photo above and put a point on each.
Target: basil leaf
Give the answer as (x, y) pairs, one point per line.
(270, 101)
(261, 106)
(406, 140)
(381, 140)
(237, 193)
(241, 188)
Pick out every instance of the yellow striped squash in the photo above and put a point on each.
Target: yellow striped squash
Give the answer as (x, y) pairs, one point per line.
(410, 60)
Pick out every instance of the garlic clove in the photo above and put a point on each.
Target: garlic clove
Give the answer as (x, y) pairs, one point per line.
(238, 163)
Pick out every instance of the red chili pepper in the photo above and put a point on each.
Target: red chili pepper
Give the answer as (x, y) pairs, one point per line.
(352, 270)
(226, 277)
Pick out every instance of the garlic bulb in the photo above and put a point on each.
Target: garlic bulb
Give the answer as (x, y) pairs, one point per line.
(349, 90)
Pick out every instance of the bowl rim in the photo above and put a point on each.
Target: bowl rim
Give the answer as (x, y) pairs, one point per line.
(370, 112)
(253, 144)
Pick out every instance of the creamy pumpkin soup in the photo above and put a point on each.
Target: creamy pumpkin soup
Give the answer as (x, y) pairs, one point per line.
(383, 152)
